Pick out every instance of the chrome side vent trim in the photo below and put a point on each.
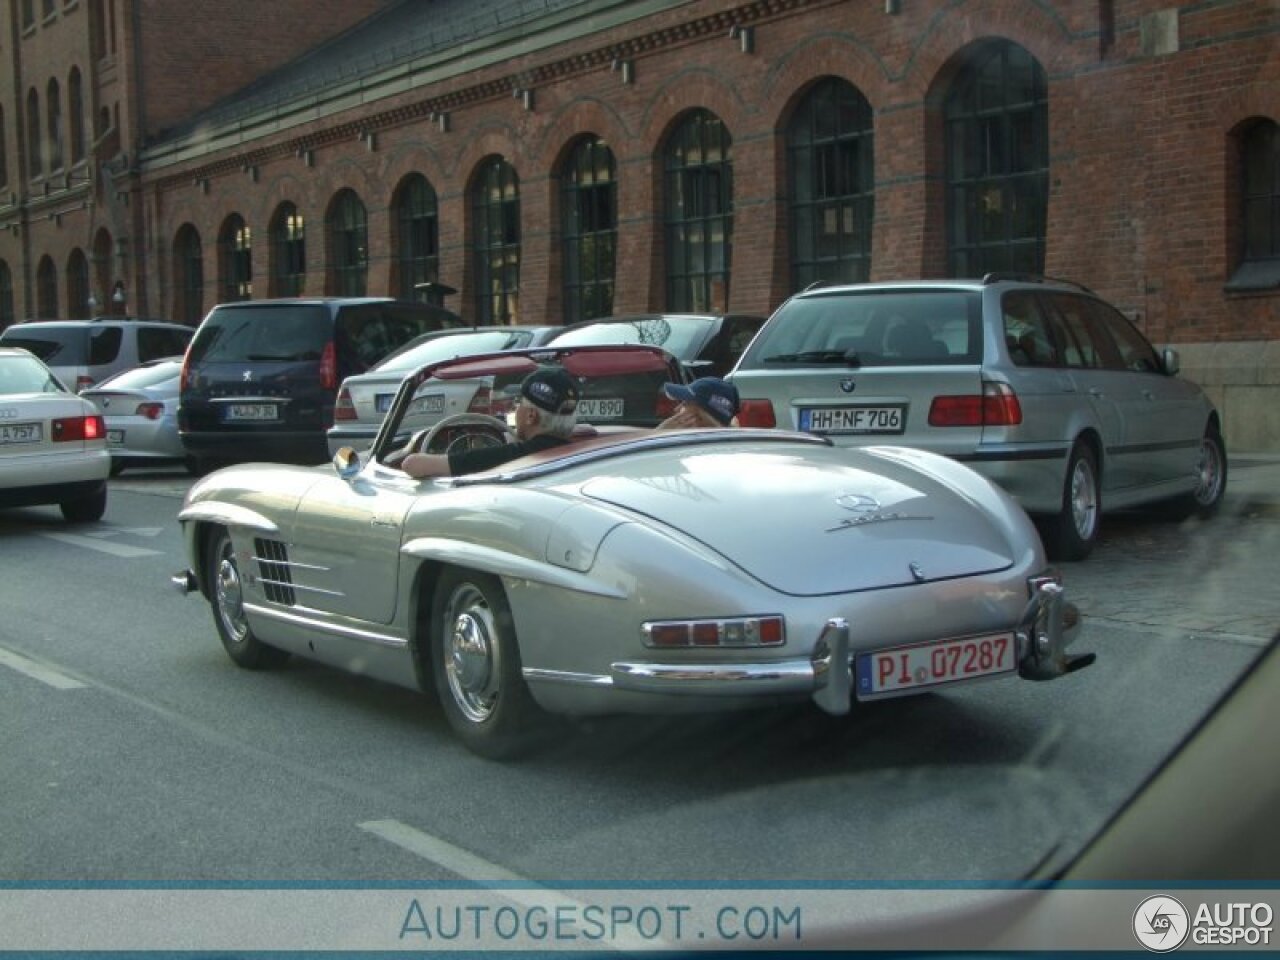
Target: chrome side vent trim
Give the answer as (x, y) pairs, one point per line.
(273, 570)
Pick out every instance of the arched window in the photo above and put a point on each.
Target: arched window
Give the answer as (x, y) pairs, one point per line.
(1261, 194)
(54, 106)
(188, 268)
(35, 156)
(495, 206)
(997, 122)
(75, 114)
(417, 235)
(78, 285)
(7, 315)
(831, 168)
(699, 214)
(46, 288)
(235, 259)
(589, 213)
(348, 229)
(288, 252)
(4, 152)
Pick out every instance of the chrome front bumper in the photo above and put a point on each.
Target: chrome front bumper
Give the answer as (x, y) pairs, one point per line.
(1048, 626)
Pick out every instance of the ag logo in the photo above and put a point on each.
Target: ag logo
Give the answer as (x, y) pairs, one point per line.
(1161, 923)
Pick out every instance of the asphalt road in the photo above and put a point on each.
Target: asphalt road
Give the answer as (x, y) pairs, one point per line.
(133, 750)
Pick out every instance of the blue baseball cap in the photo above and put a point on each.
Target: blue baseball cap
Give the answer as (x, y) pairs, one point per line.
(718, 397)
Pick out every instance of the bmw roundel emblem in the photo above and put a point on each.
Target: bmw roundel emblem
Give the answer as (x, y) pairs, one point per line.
(847, 385)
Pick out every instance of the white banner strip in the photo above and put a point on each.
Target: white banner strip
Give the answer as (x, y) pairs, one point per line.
(532, 918)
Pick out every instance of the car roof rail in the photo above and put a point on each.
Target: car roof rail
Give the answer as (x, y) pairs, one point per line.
(817, 285)
(1006, 277)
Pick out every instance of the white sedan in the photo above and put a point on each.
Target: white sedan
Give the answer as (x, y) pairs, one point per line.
(53, 446)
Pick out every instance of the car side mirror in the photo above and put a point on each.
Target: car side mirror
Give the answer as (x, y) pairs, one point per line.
(1172, 362)
(347, 462)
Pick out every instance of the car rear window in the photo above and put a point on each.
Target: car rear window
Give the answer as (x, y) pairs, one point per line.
(875, 328)
(679, 336)
(59, 346)
(19, 374)
(263, 334)
(436, 349)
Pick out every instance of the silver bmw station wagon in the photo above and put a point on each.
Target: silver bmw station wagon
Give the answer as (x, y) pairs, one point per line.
(1037, 383)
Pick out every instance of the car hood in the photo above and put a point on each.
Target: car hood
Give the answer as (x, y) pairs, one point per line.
(830, 522)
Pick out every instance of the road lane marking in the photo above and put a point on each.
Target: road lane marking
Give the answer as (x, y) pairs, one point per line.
(38, 671)
(102, 546)
(440, 852)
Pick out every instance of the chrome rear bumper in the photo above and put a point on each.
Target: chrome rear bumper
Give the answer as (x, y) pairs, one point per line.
(1048, 626)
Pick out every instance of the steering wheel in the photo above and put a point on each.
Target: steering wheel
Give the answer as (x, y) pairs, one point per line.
(474, 430)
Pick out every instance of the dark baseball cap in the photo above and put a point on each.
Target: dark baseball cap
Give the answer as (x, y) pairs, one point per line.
(550, 388)
(718, 397)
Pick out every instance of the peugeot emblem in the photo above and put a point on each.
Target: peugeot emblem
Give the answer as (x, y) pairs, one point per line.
(917, 571)
(847, 385)
(247, 376)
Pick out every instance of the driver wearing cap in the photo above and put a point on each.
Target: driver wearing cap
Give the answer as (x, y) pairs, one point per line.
(543, 418)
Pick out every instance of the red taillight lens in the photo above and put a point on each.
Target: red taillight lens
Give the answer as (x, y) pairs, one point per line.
(77, 428)
(152, 411)
(734, 632)
(997, 406)
(482, 402)
(664, 406)
(345, 408)
(329, 367)
(83, 382)
(756, 413)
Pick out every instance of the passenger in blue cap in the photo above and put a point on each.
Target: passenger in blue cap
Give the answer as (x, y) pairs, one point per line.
(707, 402)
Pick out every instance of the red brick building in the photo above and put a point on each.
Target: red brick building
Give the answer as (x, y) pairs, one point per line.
(553, 159)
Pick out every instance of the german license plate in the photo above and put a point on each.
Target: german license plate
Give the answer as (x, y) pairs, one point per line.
(115, 438)
(21, 433)
(252, 411)
(907, 669)
(427, 403)
(601, 408)
(885, 418)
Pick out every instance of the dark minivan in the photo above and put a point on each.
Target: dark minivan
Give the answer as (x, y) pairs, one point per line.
(261, 376)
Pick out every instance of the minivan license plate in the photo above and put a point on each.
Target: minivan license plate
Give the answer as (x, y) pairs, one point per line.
(859, 419)
(252, 411)
(905, 669)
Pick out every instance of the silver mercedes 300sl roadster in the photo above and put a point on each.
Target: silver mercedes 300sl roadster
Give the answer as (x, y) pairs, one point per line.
(633, 570)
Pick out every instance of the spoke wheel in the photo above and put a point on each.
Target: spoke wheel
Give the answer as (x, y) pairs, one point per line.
(476, 666)
(226, 598)
(1074, 531)
(1211, 481)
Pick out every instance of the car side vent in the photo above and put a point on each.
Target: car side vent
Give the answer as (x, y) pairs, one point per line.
(273, 570)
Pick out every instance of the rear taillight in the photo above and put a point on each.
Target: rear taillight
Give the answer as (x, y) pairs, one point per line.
(345, 408)
(996, 406)
(329, 367)
(77, 428)
(756, 413)
(482, 402)
(665, 406)
(736, 632)
(83, 383)
(152, 411)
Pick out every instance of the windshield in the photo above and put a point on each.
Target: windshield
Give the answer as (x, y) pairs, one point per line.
(678, 335)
